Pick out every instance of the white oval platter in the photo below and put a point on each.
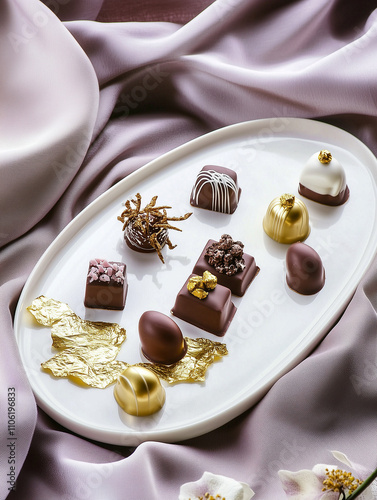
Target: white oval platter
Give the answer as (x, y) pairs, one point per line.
(274, 328)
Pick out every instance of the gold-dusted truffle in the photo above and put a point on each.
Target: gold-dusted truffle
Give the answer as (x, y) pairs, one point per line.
(139, 392)
(287, 219)
(199, 286)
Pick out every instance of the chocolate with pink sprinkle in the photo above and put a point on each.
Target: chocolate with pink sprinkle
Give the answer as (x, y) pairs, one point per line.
(106, 284)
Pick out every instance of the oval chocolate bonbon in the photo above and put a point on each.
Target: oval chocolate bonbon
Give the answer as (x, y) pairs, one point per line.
(161, 338)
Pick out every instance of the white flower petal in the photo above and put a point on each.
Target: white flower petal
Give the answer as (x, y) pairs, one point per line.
(216, 484)
(300, 483)
(358, 470)
(342, 458)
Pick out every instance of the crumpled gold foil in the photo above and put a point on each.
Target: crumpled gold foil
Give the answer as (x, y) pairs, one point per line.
(201, 353)
(87, 349)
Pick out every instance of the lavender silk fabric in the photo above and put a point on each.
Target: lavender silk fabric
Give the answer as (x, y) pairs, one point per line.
(84, 102)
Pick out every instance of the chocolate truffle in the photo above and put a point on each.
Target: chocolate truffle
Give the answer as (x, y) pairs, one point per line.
(323, 180)
(305, 272)
(213, 313)
(139, 392)
(140, 235)
(146, 230)
(287, 219)
(161, 338)
(216, 188)
(106, 285)
(226, 260)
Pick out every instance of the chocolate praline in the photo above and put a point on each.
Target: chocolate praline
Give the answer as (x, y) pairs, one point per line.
(137, 234)
(305, 271)
(238, 281)
(212, 314)
(323, 180)
(161, 338)
(216, 188)
(106, 285)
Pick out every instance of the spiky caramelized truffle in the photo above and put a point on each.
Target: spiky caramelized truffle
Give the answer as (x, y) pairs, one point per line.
(146, 229)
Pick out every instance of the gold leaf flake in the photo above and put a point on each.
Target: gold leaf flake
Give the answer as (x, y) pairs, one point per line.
(201, 353)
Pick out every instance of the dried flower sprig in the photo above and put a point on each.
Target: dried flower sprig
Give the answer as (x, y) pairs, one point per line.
(151, 221)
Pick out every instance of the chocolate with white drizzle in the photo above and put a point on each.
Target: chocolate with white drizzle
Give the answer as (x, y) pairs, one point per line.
(216, 188)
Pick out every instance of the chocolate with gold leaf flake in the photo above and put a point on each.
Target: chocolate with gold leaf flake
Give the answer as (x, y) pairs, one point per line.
(139, 392)
(213, 313)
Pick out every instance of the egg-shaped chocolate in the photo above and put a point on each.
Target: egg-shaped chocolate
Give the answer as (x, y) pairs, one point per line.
(287, 219)
(161, 338)
(305, 271)
(139, 392)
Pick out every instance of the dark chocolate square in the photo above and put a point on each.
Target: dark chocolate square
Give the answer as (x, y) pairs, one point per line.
(106, 285)
(216, 188)
(212, 314)
(237, 283)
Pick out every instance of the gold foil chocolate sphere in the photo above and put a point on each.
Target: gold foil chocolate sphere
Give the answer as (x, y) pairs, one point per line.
(287, 219)
(139, 392)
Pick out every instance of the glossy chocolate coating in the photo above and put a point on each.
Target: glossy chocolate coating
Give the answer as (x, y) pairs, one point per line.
(139, 392)
(325, 199)
(161, 338)
(305, 272)
(323, 180)
(216, 188)
(237, 283)
(212, 314)
(139, 239)
(106, 286)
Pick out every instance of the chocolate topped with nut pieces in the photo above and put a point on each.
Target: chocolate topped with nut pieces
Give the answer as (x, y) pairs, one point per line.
(226, 255)
(226, 259)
